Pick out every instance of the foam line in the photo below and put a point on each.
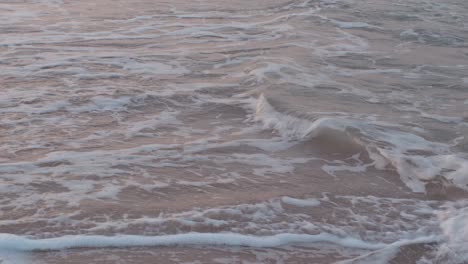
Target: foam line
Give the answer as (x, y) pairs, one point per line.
(9, 242)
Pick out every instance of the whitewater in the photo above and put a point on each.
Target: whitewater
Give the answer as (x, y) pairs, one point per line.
(272, 131)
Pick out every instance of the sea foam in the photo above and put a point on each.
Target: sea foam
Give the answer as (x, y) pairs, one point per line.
(9, 242)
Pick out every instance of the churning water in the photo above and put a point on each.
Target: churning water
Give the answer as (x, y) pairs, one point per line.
(216, 131)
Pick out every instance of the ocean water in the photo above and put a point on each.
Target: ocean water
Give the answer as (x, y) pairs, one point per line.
(215, 131)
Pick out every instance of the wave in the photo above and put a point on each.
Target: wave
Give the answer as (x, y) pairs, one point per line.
(9, 242)
(417, 160)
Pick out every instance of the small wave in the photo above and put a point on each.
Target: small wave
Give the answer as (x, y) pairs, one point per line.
(294, 127)
(416, 159)
(19, 243)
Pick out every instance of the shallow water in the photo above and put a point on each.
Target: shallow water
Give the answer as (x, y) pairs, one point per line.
(234, 131)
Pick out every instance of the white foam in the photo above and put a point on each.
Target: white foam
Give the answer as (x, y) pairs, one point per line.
(454, 225)
(18, 243)
(409, 34)
(300, 202)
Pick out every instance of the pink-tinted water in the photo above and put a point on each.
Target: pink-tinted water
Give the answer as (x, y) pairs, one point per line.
(343, 121)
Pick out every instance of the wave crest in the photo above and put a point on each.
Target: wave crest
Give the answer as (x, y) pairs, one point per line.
(417, 160)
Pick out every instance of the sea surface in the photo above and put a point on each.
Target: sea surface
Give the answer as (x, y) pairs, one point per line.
(216, 131)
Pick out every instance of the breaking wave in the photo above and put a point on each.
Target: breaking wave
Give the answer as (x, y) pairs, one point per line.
(417, 160)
